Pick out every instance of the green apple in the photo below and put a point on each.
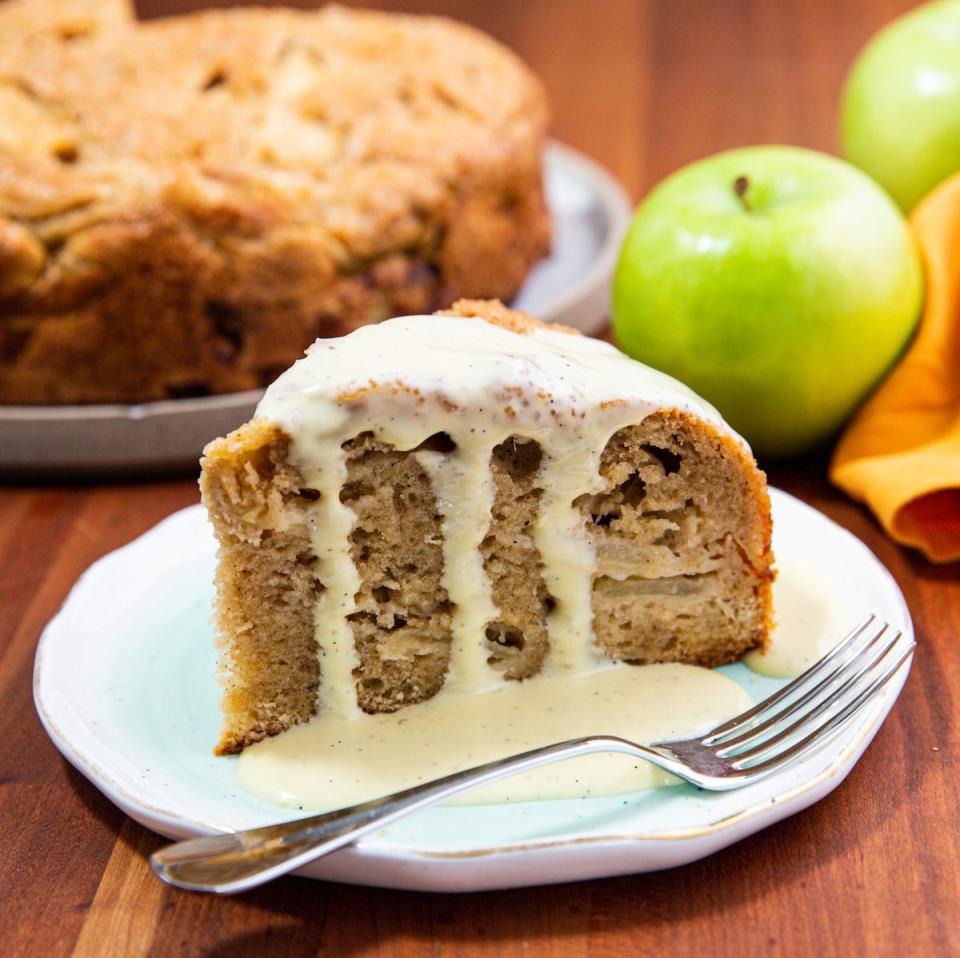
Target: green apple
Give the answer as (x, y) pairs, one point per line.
(901, 105)
(777, 282)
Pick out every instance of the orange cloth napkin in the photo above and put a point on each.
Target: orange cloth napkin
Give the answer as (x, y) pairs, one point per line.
(901, 452)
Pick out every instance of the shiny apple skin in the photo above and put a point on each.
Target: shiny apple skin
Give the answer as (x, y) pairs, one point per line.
(901, 104)
(783, 309)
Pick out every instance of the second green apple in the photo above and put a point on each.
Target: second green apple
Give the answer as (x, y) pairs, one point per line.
(779, 283)
(901, 103)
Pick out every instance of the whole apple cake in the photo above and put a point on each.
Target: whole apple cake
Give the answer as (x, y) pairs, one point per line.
(187, 203)
(467, 499)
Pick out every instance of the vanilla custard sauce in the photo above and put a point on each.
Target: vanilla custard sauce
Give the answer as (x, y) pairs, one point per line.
(331, 761)
(406, 380)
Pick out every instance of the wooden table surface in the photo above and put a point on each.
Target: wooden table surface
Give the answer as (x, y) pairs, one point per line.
(871, 870)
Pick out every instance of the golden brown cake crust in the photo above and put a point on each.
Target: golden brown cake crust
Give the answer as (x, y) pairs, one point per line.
(495, 313)
(186, 204)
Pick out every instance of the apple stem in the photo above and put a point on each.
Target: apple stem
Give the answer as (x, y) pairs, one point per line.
(740, 186)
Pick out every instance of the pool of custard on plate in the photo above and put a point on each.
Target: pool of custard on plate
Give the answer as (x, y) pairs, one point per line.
(335, 761)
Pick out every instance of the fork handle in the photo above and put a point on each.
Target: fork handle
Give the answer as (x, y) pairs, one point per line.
(237, 861)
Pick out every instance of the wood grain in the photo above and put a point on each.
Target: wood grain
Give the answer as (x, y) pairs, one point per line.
(871, 870)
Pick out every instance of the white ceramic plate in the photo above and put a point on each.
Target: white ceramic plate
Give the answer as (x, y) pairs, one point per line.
(590, 214)
(124, 684)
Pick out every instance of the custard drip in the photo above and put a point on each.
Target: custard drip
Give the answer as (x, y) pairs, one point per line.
(333, 762)
(408, 379)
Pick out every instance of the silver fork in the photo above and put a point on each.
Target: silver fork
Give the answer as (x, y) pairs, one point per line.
(790, 723)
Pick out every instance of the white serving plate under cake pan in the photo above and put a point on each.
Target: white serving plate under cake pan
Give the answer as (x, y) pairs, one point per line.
(590, 214)
(125, 685)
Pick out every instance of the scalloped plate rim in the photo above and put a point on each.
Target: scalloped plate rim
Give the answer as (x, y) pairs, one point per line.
(404, 866)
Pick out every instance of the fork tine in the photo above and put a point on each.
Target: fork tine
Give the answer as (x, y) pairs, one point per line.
(816, 691)
(831, 724)
(800, 681)
(836, 696)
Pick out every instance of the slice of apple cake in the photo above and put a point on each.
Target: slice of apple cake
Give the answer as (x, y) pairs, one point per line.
(470, 498)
